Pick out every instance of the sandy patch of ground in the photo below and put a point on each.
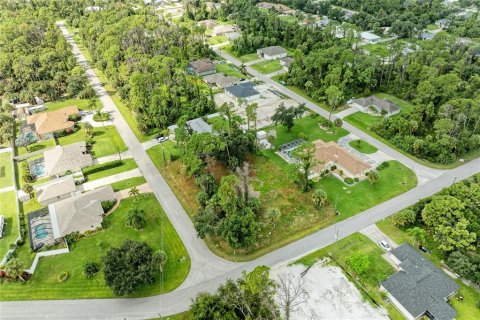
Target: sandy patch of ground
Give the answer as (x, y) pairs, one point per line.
(331, 295)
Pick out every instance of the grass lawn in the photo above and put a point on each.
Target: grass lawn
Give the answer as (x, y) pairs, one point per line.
(156, 153)
(268, 66)
(393, 180)
(362, 146)
(106, 141)
(378, 49)
(217, 40)
(97, 172)
(8, 209)
(432, 27)
(245, 58)
(287, 18)
(6, 178)
(308, 126)
(229, 70)
(467, 308)
(128, 183)
(44, 284)
(30, 205)
(37, 146)
(379, 269)
(82, 104)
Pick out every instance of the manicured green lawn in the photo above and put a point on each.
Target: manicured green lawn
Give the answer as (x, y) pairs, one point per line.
(393, 180)
(6, 177)
(37, 146)
(405, 106)
(288, 18)
(310, 127)
(44, 283)
(106, 141)
(245, 58)
(30, 205)
(229, 70)
(95, 172)
(156, 154)
(379, 269)
(268, 66)
(128, 183)
(8, 209)
(82, 104)
(362, 146)
(378, 49)
(467, 308)
(217, 40)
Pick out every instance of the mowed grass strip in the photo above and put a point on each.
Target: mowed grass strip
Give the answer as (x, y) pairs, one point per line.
(6, 173)
(108, 169)
(362, 146)
(158, 233)
(8, 210)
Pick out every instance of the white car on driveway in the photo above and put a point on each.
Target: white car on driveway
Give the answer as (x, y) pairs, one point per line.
(384, 244)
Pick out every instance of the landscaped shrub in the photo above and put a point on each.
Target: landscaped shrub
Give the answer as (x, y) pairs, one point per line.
(20, 242)
(107, 205)
(62, 276)
(333, 168)
(101, 116)
(340, 172)
(302, 135)
(75, 117)
(383, 165)
(348, 180)
(73, 237)
(102, 167)
(356, 179)
(90, 268)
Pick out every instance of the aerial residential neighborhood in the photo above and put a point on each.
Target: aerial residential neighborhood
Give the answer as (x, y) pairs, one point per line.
(239, 159)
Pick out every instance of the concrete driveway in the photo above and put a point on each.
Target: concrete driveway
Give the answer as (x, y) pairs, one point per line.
(376, 235)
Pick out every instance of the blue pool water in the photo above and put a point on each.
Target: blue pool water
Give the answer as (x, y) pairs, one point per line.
(39, 169)
(41, 231)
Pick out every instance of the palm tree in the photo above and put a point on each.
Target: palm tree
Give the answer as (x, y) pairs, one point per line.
(14, 269)
(136, 218)
(373, 177)
(273, 215)
(28, 189)
(87, 128)
(418, 235)
(159, 259)
(319, 198)
(134, 192)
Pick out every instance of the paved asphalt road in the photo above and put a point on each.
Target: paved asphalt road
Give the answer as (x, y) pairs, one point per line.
(201, 278)
(423, 173)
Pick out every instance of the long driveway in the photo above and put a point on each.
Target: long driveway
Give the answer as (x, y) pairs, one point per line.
(200, 278)
(423, 173)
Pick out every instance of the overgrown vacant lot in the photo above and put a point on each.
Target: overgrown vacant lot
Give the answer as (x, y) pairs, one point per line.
(106, 141)
(467, 308)
(44, 283)
(6, 178)
(8, 209)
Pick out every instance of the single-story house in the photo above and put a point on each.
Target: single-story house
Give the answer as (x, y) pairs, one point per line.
(286, 62)
(209, 23)
(48, 123)
(283, 9)
(369, 37)
(80, 213)
(233, 36)
(322, 22)
(220, 81)
(271, 53)
(331, 154)
(70, 158)
(265, 5)
(386, 107)
(201, 67)
(222, 30)
(243, 90)
(419, 288)
(426, 36)
(442, 23)
(212, 5)
(55, 190)
(21, 109)
(199, 125)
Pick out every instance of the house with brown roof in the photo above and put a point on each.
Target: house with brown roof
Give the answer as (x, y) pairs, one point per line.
(222, 30)
(48, 123)
(331, 154)
(201, 67)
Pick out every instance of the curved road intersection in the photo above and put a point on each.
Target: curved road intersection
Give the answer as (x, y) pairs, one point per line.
(208, 270)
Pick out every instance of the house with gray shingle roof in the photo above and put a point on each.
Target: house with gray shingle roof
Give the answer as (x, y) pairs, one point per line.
(419, 288)
(70, 158)
(383, 106)
(272, 53)
(244, 90)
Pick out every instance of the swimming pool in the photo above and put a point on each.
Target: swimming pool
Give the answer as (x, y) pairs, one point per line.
(41, 231)
(38, 169)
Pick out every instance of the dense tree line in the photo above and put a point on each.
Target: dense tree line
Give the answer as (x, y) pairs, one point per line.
(441, 78)
(145, 58)
(452, 218)
(35, 59)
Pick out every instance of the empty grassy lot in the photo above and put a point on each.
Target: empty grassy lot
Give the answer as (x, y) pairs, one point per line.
(268, 66)
(6, 177)
(106, 141)
(243, 58)
(8, 209)
(44, 284)
(82, 104)
(229, 70)
(362, 146)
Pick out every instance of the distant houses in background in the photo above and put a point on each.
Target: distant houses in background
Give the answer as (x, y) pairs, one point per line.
(243, 91)
(419, 288)
(272, 53)
(209, 23)
(198, 125)
(201, 67)
(279, 8)
(222, 30)
(369, 37)
(374, 104)
(426, 36)
(46, 124)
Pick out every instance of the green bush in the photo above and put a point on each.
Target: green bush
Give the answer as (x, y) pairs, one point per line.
(383, 165)
(108, 205)
(90, 268)
(102, 167)
(101, 116)
(348, 180)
